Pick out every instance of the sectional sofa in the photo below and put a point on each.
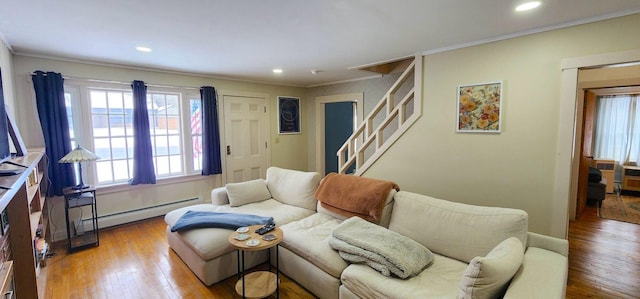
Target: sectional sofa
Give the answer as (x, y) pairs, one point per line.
(480, 252)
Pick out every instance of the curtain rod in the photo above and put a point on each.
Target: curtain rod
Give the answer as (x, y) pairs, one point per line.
(126, 83)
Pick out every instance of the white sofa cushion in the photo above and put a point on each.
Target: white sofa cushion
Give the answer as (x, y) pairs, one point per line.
(247, 192)
(293, 187)
(486, 277)
(309, 237)
(540, 267)
(456, 230)
(440, 280)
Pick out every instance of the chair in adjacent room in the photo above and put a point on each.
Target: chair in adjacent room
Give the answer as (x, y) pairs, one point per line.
(597, 189)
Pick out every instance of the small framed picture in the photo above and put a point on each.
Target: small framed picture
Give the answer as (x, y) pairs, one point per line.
(288, 115)
(479, 108)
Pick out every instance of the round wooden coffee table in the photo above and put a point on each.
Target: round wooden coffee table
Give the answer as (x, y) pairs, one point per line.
(258, 284)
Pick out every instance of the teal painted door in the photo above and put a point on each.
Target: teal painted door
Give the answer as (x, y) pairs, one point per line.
(338, 126)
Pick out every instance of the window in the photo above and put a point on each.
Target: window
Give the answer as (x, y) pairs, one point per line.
(196, 131)
(164, 123)
(102, 121)
(616, 133)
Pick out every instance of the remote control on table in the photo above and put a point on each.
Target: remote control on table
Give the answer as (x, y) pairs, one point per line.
(266, 228)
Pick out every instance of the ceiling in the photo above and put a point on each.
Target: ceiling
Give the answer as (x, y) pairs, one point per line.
(245, 40)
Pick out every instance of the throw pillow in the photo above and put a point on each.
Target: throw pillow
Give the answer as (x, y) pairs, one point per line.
(247, 192)
(293, 187)
(486, 277)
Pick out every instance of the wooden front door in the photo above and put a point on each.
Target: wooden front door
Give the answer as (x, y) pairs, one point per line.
(246, 134)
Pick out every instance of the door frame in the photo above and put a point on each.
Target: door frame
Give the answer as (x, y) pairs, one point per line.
(571, 106)
(357, 97)
(586, 155)
(221, 122)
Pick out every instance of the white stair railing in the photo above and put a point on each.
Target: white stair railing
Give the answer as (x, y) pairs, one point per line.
(386, 123)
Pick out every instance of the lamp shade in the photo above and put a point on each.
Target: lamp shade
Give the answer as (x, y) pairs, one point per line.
(79, 154)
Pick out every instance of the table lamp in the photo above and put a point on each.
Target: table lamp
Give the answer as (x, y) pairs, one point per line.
(79, 155)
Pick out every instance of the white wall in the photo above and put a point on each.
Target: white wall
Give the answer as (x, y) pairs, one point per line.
(288, 152)
(6, 64)
(516, 168)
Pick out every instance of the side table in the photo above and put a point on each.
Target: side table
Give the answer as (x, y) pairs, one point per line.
(258, 284)
(82, 200)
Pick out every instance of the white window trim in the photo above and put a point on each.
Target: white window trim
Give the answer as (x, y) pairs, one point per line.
(84, 137)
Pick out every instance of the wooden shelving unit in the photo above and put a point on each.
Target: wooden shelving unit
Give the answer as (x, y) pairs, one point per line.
(24, 205)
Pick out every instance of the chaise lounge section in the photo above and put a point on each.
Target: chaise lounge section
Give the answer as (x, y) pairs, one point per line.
(286, 195)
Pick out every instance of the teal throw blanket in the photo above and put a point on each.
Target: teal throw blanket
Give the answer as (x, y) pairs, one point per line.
(201, 219)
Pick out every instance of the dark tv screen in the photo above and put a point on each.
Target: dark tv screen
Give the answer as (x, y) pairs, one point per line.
(5, 151)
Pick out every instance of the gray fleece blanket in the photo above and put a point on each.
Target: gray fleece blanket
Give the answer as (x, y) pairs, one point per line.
(360, 241)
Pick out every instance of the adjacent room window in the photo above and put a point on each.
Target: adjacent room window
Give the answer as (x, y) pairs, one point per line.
(617, 132)
(102, 121)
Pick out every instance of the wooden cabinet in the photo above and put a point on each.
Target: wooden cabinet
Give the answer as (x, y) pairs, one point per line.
(24, 213)
(608, 169)
(631, 178)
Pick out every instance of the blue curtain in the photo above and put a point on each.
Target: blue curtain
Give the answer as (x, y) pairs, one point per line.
(143, 169)
(49, 89)
(211, 161)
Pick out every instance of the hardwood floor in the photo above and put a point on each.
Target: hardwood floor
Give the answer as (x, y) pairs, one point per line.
(134, 261)
(604, 258)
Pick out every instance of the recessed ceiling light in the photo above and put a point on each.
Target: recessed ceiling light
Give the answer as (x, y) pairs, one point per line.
(143, 49)
(277, 71)
(528, 5)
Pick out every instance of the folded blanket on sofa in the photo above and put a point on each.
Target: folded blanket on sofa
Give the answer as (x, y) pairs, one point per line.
(350, 195)
(201, 219)
(388, 252)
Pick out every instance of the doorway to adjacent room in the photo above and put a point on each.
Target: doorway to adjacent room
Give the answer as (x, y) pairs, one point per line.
(336, 116)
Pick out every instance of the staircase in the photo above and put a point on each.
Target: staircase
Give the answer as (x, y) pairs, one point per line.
(400, 108)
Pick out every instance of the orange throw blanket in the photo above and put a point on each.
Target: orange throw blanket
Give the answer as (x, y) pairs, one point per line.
(349, 195)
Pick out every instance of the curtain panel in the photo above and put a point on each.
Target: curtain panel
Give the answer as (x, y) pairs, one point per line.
(617, 133)
(143, 168)
(49, 90)
(211, 160)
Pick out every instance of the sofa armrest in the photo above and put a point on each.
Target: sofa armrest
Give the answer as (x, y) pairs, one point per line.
(556, 245)
(543, 274)
(219, 196)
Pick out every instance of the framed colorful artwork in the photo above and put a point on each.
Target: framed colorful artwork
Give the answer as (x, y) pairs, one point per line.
(479, 108)
(288, 115)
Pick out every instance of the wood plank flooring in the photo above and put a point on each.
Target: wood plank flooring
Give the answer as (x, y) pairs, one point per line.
(604, 258)
(134, 261)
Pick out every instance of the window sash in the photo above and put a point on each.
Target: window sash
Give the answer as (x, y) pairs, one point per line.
(171, 134)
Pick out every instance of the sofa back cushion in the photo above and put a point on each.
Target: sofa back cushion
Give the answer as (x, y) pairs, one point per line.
(385, 217)
(293, 187)
(456, 230)
(247, 192)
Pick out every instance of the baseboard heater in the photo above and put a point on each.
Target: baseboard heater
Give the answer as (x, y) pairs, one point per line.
(133, 215)
(143, 213)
